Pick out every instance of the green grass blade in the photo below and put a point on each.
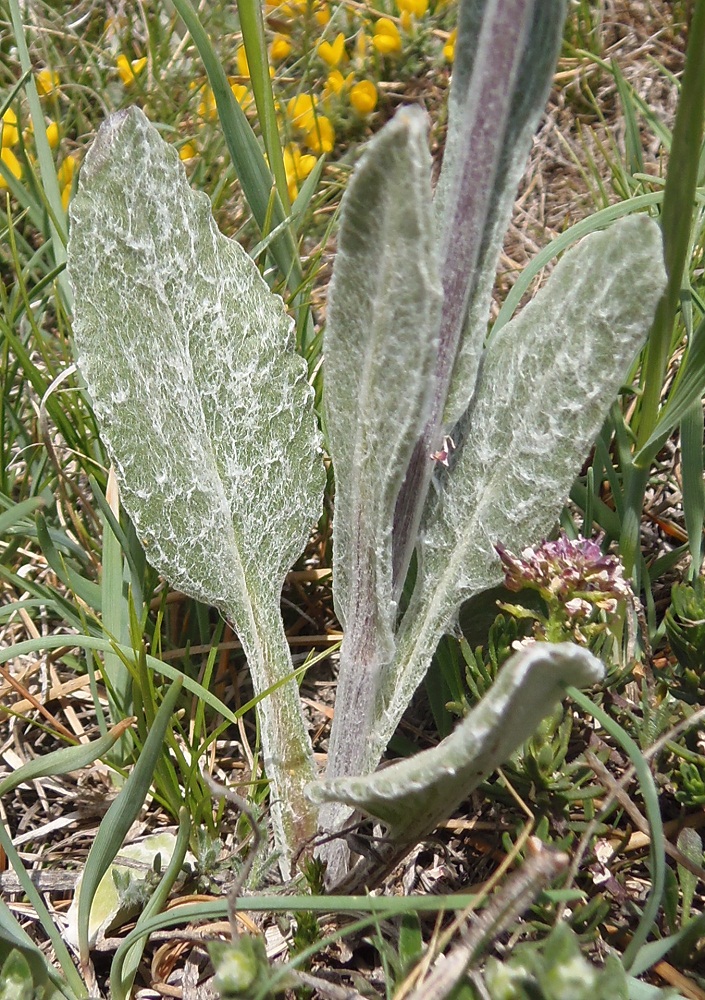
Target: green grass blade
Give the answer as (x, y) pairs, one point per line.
(653, 814)
(12, 517)
(13, 936)
(34, 897)
(123, 970)
(252, 24)
(635, 156)
(599, 220)
(66, 760)
(115, 615)
(47, 169)
(250, 165)
(686, 392)
(121, 814)
(86, 590)
(105, 646)
(676, 215)
(692, 428)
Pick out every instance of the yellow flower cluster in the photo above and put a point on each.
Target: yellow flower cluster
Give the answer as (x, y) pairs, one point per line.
(354, 48)
(16, 151)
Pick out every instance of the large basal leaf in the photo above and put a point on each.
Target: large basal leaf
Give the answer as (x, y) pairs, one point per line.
(201, 399)
(414, 795)
(379, 350)
(546, 383)
(188, 358)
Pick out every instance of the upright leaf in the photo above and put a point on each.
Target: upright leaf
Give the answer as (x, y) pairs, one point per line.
(506, 55)
(537, 62)
(205, 409)
(546, 382)
(379, 350)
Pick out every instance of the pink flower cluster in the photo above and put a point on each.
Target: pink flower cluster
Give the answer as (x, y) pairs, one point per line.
(572, 573)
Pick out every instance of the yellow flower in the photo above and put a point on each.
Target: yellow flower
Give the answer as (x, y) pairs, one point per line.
(207, 108)
(47, 81)
(297, 167)
(242, 95)
(241, 59)
(187, 151)
(407, 21)
(295, 8)
(10, 132)
(449, 47)
(53, 135)
(302, 112)
(386, 37)
(332, 53)
(336, 83)
(129, 71)
(65, 173)
(416, 7)
(12, 163)
(322, 14)
(321, 138)
(280, 48)
(363, 97)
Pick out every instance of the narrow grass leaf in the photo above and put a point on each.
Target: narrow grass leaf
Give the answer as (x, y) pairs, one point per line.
(34, 898)
(592, 224)
(67, 760)
(122, 973)
(115, 614)
(676, 214)
(18, 512)
(632, 138)
(50, 183)
(692, 429)
(102, 645)
(86, 590)
(250, 165)
(122, 813)
(252, 25)
(633, 958)
(12, 937)
(686, 392)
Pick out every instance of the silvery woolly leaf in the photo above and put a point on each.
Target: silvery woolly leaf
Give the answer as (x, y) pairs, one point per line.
(546, 383)
(379, 349)
(506, 52)
(526, 103)
(413, 796)
(202, 402)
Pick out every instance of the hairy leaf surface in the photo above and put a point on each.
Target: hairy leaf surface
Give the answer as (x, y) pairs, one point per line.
(546, 383)
(379, 351)
(416, 794)
(202, 401)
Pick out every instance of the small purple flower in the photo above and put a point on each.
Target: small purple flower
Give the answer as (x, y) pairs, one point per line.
(571, 574)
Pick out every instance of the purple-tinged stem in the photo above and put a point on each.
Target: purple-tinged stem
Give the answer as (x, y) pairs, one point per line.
(504, 31)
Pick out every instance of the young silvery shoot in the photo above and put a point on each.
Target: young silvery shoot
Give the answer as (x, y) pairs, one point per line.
(444, 442)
